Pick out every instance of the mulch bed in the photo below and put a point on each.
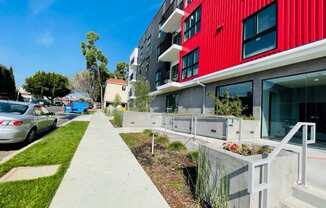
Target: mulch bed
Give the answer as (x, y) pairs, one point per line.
(172, 172)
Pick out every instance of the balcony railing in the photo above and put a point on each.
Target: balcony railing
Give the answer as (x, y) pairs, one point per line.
(165, 44)
(169, 49)
(171, 19)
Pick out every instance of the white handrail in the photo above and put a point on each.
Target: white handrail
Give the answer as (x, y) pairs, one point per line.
(265, 163)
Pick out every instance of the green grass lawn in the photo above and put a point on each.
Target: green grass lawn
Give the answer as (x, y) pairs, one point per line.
(57, 147)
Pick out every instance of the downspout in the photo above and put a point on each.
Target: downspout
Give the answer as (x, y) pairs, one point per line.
(204, 96)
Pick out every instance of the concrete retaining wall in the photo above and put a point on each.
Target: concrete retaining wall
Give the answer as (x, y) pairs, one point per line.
(142, 119)
(227, 128)
(234, 171)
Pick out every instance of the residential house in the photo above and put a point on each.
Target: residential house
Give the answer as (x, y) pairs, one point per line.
(115, 88)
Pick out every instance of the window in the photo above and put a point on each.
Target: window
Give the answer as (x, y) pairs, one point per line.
(259, 32)
(190, 63)
(174, 73)
(158, 78)
(12, 108)
(189, 2)
(243, 91)
(171, 103)
(192, 24)
(292, 99)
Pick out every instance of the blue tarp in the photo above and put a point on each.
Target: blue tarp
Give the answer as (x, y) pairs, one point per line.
(77, 107)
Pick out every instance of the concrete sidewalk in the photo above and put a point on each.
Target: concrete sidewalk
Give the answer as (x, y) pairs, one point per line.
(104, 173)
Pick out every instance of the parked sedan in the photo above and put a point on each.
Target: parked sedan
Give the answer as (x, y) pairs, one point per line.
(23, 121)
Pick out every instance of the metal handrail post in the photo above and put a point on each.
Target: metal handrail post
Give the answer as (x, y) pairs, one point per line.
(304, 155)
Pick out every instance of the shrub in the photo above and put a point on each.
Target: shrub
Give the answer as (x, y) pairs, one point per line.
(148, 132)
(117, 118)
(163, 140)
(177, 146)
(193, 156)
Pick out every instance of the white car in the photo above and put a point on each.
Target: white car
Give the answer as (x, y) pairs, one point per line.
(23, 121)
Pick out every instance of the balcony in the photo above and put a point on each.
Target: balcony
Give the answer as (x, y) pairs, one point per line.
(132, 78)
(171, 20)
(169, 82)
(170, 86)
(170, 48)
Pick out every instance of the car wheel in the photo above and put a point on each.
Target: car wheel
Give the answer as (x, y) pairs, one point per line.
(31, 136)
(54, 125)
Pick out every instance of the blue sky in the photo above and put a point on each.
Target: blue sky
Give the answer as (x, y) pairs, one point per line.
(46, 34)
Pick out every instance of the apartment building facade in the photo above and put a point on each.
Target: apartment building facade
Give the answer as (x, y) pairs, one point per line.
(269, 53)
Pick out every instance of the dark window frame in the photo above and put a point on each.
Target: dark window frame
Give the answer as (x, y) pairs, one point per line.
(259, 34)
(185, 69)
(197, 23)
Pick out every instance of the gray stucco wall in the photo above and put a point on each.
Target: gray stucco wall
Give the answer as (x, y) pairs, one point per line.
(190, 100)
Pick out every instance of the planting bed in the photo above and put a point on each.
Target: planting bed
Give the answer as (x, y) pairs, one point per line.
(172, 168)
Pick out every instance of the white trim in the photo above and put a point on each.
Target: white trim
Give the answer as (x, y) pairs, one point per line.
(171, 54)
(300, 54)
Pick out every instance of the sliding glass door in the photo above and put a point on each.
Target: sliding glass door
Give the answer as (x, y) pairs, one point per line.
(288, 100)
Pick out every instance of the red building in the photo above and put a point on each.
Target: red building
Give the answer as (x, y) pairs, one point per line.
(271, 54)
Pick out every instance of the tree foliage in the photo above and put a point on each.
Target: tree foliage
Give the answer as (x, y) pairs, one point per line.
(95, 57)
(228, 106)
(7, 83)
(50, 85)
(143, 99)
(117, 100)
(121, 71)
(84, 82)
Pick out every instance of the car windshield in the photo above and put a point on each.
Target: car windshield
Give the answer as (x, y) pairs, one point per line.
(13, 108)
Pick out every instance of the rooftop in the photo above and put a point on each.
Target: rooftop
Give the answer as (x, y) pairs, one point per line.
(116, 81)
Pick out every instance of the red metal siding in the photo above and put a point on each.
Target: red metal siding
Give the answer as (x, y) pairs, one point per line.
(299, 22)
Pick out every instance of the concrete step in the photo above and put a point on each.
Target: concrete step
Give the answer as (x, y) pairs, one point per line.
(292, 202)
(310, 195)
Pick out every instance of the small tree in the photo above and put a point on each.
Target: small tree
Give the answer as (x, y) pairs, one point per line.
(83, 82)
(228, 106)
(143, 99)
(117, 100)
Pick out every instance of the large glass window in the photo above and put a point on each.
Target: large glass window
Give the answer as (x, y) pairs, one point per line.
(288, 100)
(243, 91)
(190, 63)
(192, 24)
(259, 32)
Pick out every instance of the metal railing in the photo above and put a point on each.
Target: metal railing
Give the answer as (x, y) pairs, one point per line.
(265, 164)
